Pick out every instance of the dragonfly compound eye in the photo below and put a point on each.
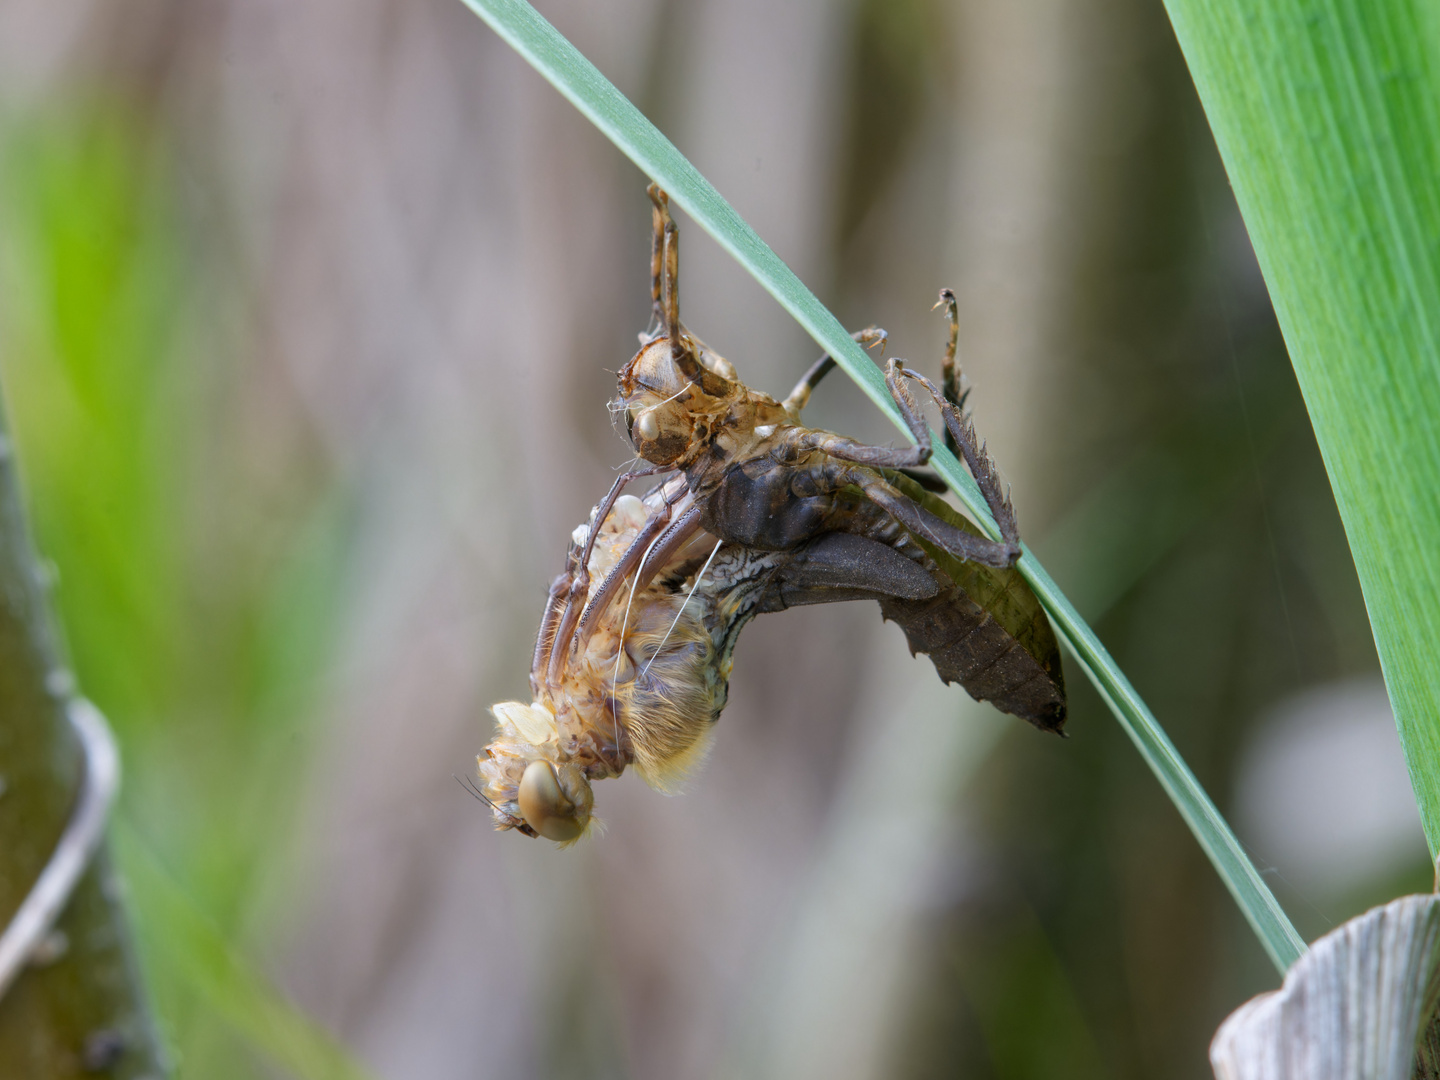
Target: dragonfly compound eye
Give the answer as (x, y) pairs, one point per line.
(661, 433)
(646, 426)
(547, 808)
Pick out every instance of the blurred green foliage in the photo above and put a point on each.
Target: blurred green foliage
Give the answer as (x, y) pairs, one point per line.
(200, 587)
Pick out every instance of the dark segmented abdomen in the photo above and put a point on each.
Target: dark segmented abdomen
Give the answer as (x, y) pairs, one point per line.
(987, 632)
(967, 645)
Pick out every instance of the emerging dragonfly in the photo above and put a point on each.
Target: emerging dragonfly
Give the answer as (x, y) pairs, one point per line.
(758, 513)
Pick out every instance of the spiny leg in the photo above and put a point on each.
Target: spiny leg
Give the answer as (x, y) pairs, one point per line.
(963, 545)
(577, 626)
(981, 466)
(556, 604)
(803, 440)
(668, 288)
(666, 283)
(659, 213)
(602, 511)
(949, 371)
(830, 475)
(562, 620)
(869, 338)
(652, 548)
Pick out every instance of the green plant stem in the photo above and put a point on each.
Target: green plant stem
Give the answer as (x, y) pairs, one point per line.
(86, 1008)
(523, 28)
(1327, 115)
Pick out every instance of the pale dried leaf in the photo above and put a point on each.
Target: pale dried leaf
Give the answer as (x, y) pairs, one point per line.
(1351, 1008)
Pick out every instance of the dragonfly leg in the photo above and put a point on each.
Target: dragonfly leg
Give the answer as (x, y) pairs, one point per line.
(869, 338)
(977, 459)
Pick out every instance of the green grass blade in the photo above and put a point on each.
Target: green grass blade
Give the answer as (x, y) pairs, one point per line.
(1254, 898)
(1327, 115)
(523, 28)
(198, 954)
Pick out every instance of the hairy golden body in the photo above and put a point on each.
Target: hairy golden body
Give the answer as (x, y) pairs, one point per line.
(646, 685)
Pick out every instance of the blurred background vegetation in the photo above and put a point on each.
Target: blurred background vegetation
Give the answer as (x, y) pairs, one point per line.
(309, 313)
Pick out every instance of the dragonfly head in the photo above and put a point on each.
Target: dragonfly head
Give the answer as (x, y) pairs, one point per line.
(528, 783)
(668, 397)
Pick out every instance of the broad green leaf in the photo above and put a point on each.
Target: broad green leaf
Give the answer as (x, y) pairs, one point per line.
(1327, 115)
(522, 27)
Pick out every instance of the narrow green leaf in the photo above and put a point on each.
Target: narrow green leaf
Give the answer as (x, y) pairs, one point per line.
(523, 28)
(1327, 115)
(189, 945)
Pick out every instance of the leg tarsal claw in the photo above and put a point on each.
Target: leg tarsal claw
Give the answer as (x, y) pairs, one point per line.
(961, 430)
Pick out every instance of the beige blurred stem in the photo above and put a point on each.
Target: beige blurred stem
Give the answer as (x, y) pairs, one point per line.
(835, 995)
(1352, 1008)
(78, 1008)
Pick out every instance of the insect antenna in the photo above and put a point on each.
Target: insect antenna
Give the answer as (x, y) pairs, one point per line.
(470, 786)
